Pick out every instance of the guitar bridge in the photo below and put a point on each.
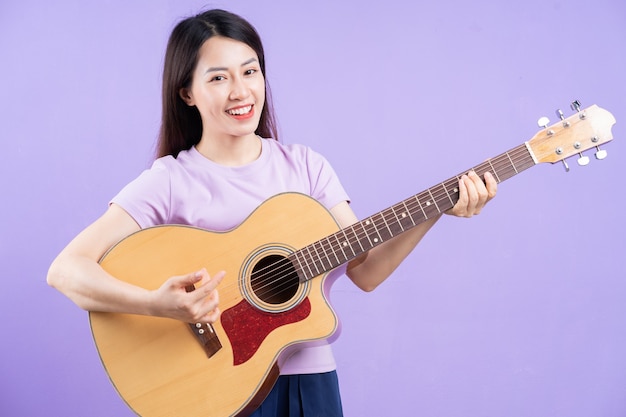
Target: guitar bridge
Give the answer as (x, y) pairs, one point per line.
(205, 333)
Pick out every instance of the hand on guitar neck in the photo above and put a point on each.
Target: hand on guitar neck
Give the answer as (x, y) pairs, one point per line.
(474, 193)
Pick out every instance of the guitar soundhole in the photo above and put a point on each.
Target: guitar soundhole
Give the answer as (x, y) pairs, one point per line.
(274, 279)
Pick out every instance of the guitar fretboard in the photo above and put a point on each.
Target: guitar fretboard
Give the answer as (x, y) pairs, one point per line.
(346, 244)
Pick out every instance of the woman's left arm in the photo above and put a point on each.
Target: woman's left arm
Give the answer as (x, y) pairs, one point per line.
(372, 268)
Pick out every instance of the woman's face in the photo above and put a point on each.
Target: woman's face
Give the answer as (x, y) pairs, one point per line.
(228, 88)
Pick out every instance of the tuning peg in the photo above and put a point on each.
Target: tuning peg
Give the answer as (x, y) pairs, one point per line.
(565, 165)
(583, 160)
(600, 153)
(544, 122)
(576, 106)
(562, 117)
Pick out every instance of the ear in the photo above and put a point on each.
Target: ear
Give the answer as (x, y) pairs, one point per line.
(185, 94)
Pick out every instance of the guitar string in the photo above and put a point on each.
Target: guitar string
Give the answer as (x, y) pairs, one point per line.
(389, 217)
(265, 281)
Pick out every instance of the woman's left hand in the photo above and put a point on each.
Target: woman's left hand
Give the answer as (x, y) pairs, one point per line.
(474, 193)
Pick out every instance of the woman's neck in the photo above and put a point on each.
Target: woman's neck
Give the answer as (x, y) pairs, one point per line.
(231, 152)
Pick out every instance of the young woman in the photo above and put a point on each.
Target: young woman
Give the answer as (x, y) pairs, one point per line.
(219, 158)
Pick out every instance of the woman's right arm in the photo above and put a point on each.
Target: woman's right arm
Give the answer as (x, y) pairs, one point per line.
(77, 274)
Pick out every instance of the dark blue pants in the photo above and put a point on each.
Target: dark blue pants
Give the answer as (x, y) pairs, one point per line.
(309, 395)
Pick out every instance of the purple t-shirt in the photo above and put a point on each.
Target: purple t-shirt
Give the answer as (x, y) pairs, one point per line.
(193, 190)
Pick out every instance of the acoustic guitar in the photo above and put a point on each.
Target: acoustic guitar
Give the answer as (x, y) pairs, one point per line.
(275, 295)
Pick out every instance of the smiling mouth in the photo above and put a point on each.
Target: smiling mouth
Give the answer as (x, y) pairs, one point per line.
(240, 111)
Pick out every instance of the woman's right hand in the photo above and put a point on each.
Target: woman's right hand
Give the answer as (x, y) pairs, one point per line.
(77, 274)
(191, 298)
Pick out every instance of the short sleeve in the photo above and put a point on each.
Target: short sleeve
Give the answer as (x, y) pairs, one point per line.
(147, 198)
(325, 185)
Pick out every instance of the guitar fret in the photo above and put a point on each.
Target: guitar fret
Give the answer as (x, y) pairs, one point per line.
(512, 164)
(358, 239)
(304, 264)
(408, 212)
(397, 224)
(354, 240)
(311, 260)
(499, 167)
(386, 224)
(348, 242)
(452, 187)
(330, 248)
(494, 171)
(345, 257)
(416, 197)
(319, 248)
(447, 193)
(482, 168)
(378, 238)
(506, 163)
(433, 199)
(367, 235)
(397, 221)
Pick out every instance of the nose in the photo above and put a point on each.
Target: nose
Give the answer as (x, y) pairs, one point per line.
(239, 89)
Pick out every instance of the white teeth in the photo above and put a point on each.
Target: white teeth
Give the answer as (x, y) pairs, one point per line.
(240, 111)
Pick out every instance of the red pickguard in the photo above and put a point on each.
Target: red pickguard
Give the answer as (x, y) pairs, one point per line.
(247, 326)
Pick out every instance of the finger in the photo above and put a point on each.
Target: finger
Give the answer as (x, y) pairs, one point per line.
(212, 301)
(474, 184)
(211, 282)
(212, 316)
(209, 310)
(461, 201)
(207, 285)
(492, 185)
(463, 196)
(188, 281)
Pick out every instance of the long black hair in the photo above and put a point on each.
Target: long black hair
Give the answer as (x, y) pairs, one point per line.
(181, 125)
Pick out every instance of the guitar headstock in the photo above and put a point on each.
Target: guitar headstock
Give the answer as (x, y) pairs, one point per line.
(586, 129)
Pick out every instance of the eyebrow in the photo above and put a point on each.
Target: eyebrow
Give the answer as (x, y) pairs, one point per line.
(213, 69)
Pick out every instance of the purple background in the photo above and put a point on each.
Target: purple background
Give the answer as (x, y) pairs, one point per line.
(518, 312)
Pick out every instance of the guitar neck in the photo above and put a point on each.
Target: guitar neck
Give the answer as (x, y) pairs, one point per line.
(346, 244)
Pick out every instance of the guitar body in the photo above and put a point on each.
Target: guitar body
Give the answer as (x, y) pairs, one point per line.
(158, 365)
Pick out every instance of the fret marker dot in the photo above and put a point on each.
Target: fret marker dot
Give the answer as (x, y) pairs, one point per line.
(345, 244)
(403, 215)
(456, 190)
(376, 240)
(367, 222)
(428, 203)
